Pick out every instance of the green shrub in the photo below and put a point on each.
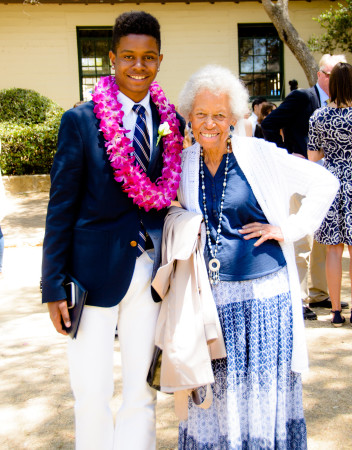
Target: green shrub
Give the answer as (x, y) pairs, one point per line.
(29, 125)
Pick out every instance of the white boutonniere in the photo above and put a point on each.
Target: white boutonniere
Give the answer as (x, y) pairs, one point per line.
(164, 130)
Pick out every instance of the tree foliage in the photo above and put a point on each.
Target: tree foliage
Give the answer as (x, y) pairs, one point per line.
(29, 126)
(337, 23)
(279, 15)
(23, 106)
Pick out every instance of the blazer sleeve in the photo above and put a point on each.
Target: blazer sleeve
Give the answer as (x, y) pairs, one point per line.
(284, 115)
(66, 185)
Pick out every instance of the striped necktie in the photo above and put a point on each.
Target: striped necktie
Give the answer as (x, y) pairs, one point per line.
(141, 144)
(141, 141)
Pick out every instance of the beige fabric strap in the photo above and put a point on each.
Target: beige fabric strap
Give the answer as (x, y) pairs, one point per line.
(181, 401)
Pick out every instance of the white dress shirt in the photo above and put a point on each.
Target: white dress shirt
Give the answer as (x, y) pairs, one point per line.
(130, 116)
(253, 118)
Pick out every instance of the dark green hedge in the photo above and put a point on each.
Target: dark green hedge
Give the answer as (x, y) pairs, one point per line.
(29, 125)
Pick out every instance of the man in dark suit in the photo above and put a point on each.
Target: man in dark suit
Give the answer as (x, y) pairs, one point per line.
(96, 233)
(292, 117)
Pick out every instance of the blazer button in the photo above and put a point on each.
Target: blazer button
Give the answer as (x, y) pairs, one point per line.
(133, 244)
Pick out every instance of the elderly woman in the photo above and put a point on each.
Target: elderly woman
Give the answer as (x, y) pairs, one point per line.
(242, 186)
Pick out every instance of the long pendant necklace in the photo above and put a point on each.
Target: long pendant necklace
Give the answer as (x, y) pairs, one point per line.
(214, 263)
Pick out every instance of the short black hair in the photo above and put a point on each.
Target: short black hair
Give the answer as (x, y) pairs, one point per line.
(135, 22)
(258, 101)
(340, 84)
(293, 84)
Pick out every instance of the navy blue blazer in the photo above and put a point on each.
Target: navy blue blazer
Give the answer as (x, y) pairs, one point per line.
(293, 117)
(91, 224)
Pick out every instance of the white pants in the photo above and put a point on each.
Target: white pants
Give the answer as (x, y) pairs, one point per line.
(91, 369)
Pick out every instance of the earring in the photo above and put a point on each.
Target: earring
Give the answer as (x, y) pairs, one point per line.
(232, 129)
(189, 125)
(158, 69)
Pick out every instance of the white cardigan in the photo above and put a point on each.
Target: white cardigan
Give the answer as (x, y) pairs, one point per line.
(274, 177)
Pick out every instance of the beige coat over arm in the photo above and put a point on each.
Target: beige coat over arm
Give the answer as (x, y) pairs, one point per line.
(188, 329)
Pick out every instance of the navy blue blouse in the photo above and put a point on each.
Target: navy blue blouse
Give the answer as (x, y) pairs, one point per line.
(239, 259)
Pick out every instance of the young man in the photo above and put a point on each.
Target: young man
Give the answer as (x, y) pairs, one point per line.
(104, 226)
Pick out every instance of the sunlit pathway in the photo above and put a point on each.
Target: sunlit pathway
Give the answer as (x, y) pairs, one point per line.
(36, 406)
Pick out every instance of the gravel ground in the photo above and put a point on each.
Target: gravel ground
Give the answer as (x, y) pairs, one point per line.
(36, 405)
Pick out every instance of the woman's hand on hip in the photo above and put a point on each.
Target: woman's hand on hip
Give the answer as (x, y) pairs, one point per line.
(263, 231)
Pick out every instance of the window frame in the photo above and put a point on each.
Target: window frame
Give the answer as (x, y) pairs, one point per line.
(79, 52)
(259, 32)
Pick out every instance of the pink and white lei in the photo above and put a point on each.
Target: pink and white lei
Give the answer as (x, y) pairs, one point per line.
(119, 148)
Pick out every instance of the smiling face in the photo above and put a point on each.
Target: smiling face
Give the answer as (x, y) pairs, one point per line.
(136, 61)
(211, 118)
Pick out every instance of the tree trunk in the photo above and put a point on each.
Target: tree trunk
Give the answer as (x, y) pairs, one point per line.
(278, 13)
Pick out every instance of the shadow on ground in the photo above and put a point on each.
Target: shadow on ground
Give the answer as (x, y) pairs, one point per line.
(36, 405)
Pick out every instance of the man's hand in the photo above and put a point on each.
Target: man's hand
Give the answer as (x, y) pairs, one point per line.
(263, 231)
(58, 310)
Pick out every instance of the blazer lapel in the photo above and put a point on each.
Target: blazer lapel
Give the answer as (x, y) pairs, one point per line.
(157, 149)
(318, 97)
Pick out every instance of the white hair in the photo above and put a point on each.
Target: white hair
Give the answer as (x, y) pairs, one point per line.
(331, 60)
(218, 80)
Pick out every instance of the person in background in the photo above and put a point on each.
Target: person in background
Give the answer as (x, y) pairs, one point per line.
(293, 85)
(292, 118)
(104, 227)
(330, 137)
(266, 109)
(242, 187)
(256, 107)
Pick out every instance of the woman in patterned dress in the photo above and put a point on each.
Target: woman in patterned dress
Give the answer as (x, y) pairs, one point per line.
(242, 187)
(330, 136)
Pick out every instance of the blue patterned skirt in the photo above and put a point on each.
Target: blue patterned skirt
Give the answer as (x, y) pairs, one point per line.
(257, 398)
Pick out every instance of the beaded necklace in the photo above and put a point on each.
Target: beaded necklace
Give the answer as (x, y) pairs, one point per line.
(214, 263)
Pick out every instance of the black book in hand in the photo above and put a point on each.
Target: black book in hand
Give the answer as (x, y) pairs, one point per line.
(76, 297)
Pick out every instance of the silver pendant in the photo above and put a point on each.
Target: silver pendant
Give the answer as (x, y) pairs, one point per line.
(214, 266)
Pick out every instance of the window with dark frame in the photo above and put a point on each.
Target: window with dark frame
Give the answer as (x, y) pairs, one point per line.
(261, 60)
(93, 57)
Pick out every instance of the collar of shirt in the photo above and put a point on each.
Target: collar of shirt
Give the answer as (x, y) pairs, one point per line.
(323, 95)
(130, 117)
